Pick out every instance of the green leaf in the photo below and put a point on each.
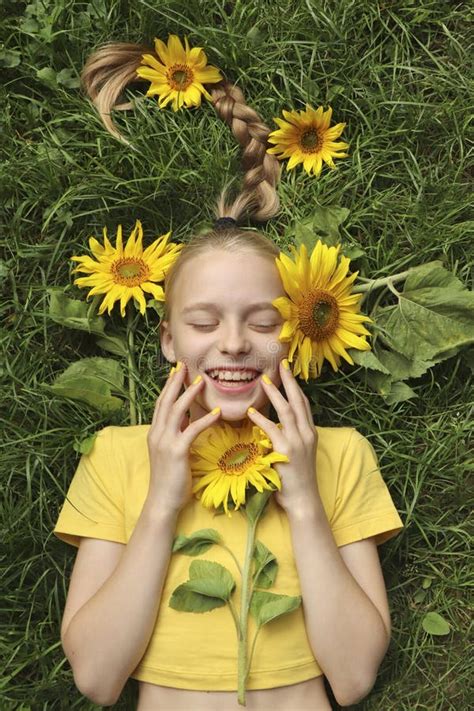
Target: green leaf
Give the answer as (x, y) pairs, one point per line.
(399, 392)
(9, 58)
(68, 78)
(434, 314)
(326, 221)
(391, 391)
(113, 344)
(266, 562)
(434, 624)
(367, 359)
(196, 543)
(73, 313)
(186, 600)
(255, 505)
(353, 252)
(91, 381)
(47, 74)
(401, 367)
(265, 606)
(78, 315)
(158, 306)
(85, 445)
(210, 585)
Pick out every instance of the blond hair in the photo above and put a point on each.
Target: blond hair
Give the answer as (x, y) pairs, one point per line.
(112, 67)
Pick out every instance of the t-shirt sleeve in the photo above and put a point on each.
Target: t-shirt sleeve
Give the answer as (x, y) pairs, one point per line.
(94, 502)
(363, 504)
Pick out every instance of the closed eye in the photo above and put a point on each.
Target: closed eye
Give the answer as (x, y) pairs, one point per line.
(267, 327)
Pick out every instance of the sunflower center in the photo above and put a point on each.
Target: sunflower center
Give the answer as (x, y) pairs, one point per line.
(180, 77)
(130, 272)
(237, 459)
(310, 141)
(319, 315)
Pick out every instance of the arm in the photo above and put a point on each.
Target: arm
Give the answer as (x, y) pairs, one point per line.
(106, 638)
(347, 633)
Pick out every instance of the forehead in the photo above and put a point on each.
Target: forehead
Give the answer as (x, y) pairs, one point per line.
(228, 279)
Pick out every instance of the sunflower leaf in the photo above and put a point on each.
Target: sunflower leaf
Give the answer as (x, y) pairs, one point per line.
(433, 316)
(367, 359)
(392, 391)
(186, 600)
(210, 585)
(91, 381)
(78, 315)
(73, 313)
(196, 543)
(255, 505)
(323, 224)
(266, 566)
(265, 606)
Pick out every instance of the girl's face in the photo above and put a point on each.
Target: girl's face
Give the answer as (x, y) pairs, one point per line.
(222, 316)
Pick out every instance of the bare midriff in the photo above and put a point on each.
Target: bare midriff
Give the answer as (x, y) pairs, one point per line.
(305, 696)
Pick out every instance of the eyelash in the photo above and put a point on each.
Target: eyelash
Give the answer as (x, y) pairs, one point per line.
(199, 326)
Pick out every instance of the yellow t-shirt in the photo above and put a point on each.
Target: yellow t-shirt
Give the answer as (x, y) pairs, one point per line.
(199, 650)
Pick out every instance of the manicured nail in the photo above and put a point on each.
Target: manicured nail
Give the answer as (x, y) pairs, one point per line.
(266, 379)
(173, 370)
(197, 379)
(215, 410)
(251, 411)
(285, 364)
(178, 365)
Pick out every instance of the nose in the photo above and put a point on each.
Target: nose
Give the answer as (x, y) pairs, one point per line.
(233, 339)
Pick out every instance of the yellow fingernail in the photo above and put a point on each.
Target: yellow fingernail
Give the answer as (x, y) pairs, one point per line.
(178, 365)
(197, 379)
(173, 370)
(285, 364)
(266, 379)
(251, 411)
(215, 410)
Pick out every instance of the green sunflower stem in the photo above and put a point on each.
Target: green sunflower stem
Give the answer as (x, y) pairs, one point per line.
(132, 368)
(243, 667)
(383, 281)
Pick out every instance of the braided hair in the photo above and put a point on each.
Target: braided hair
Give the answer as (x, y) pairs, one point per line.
(112, 67)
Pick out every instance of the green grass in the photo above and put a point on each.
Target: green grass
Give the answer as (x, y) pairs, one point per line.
(398, 74)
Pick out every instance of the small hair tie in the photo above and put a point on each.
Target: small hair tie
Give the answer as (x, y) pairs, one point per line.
(223, 223)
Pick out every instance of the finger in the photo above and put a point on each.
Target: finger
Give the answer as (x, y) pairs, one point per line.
(284, 409)
(160, 396)
(199, 425)
(169, 393)
(179, 408)
(297, 398)
(269, 427)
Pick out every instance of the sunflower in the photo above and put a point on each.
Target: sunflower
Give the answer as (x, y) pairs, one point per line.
(305, 137)
(126, 273)
(228, 460)
(180, 75)
(321, 315)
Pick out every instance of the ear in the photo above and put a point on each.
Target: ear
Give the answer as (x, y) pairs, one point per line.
(166, 342)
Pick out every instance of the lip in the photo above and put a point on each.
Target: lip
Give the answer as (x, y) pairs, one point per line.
(231, 390)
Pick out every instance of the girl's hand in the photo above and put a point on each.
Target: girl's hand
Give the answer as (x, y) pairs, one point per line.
(296, 437)
(169, 440)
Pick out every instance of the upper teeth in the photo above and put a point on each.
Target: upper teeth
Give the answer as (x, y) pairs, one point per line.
(232, 374)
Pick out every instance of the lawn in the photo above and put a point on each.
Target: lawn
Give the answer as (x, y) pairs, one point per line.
(397, 74)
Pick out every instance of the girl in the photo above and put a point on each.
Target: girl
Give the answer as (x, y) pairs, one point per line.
(132, 494)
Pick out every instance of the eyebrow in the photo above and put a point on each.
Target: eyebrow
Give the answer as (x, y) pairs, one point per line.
(260, 306)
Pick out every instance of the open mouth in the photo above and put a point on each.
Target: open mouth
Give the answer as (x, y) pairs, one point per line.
(239, 385)
(248, 378)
